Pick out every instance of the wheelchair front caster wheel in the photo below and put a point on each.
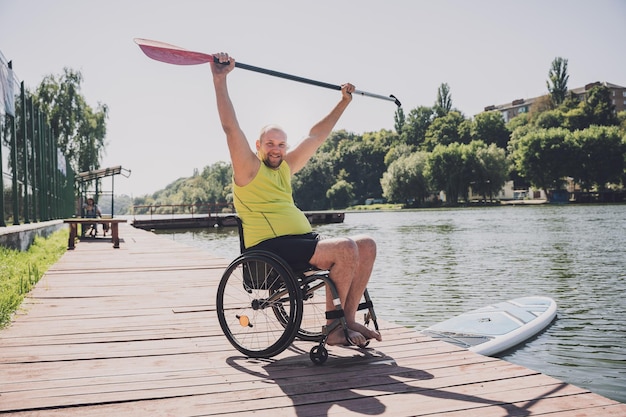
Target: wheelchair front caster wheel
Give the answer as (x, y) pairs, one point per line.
(318, 354)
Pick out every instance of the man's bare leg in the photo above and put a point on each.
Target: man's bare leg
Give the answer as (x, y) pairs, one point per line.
(341, 256)
(367, 256)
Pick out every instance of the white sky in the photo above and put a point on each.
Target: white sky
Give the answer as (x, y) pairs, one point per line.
(163, 122)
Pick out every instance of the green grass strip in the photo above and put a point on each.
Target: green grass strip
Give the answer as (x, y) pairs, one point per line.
(20, 271)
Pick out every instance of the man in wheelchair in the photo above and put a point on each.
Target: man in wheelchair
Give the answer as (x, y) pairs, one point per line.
(272, 222)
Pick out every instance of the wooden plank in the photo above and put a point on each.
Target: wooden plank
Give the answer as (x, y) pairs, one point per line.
(305, 392)
(135, 333)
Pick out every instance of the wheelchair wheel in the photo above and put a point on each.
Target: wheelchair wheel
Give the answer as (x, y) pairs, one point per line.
(259, 306)
(318, 354)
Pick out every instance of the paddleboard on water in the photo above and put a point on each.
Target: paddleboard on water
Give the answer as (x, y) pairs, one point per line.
(498, 327)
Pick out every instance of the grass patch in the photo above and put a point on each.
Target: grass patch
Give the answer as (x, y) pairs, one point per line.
(20, 271)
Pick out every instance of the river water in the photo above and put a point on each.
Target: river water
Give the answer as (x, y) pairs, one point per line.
(434, 264)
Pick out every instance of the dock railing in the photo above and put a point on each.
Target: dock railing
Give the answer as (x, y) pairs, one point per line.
(182, 210)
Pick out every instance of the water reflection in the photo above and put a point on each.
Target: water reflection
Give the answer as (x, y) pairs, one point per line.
(433, 264)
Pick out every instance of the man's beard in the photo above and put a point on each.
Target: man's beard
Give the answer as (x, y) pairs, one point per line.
(268, 163)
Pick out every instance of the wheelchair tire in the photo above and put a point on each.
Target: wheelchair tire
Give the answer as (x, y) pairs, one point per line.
(318, 355)
(259, 305)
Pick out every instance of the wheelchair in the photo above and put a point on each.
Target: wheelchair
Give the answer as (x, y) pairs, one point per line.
(263, 305)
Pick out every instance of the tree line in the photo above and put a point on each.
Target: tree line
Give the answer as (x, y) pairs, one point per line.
(431, 149)
(438, 149)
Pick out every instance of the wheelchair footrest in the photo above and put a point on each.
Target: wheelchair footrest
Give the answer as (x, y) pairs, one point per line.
(335, 314)
(363, 306)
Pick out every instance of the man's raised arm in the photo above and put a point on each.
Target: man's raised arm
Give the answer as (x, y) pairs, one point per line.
(299, 156)
(245, 162)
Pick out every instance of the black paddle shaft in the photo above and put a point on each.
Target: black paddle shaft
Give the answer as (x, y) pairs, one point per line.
(307, 80)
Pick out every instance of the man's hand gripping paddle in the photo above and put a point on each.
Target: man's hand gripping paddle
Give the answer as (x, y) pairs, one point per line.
(171, 54)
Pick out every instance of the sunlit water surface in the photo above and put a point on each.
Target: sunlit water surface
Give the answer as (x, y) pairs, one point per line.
(434, 264)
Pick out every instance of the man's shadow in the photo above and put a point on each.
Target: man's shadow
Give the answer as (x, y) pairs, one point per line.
(311, 388)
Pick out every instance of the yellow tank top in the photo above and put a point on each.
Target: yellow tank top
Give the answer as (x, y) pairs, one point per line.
(266, 206)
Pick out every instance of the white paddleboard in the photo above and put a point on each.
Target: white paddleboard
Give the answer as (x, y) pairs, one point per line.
(498, 327)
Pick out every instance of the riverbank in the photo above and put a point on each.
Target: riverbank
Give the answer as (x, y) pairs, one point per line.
(21, 269)
(20, 237)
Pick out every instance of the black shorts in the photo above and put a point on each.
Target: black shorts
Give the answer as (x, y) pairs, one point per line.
(296, 250)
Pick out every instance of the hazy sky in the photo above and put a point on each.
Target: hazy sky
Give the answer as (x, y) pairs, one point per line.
(163, 122)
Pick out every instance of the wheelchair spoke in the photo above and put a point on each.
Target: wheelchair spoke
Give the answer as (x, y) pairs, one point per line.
(314, 310)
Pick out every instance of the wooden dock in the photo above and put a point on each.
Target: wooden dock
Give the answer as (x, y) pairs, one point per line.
(133, 332)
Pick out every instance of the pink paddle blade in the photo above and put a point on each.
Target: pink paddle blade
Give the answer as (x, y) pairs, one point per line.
(172, 54)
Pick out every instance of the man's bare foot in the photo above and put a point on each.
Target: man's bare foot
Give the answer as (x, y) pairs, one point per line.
(365, 331)
(338, 338)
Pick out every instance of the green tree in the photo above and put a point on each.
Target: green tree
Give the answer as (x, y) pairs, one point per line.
(621, 122)
(216, 183)
(340, 195)
(80, 129)
(331, 144)
(417, 123)
(599, 156)
(443, 104)
(364, 162)
(447, 171)
(397, 152)
(312, 182)
(490, 168)
(550, 119)
(599, 107)
(405, 180)
(596, 109)
(444, 130)
(576, 119)
(557, 80)
(399, 120)
(519, 121)
(212, 185)
(490, 128)
(543, 157)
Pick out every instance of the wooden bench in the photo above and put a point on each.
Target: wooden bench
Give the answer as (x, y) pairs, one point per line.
(74, 222)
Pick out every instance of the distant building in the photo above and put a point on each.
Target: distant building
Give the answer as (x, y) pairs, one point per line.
(519, 106)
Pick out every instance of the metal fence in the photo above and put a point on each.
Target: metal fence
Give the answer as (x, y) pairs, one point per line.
(37, 182)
